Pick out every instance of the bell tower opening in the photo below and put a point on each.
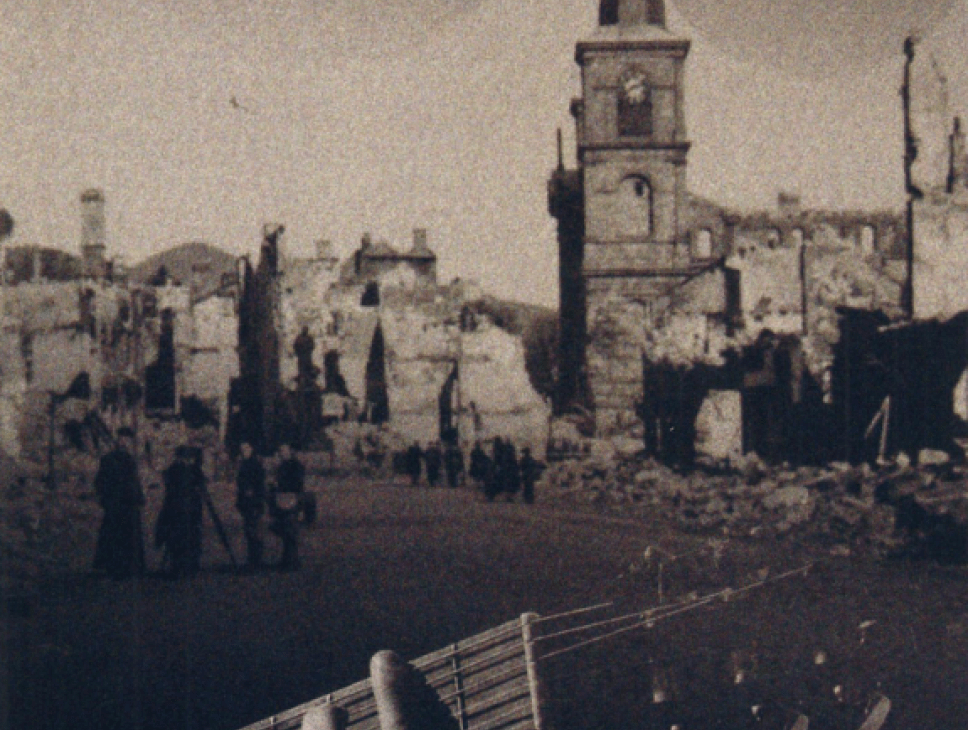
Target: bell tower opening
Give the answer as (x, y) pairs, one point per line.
(631, 12)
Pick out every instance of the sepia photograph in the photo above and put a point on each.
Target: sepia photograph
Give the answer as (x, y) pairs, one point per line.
(483, 365)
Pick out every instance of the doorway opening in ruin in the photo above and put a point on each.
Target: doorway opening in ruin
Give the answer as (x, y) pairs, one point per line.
(377, 398)
(160, 374)
(335, 382)
(371, 295)
(27, 355)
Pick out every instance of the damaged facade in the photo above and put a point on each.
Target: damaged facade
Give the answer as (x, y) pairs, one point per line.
(144, 347)
(656, 282)
(376, 339)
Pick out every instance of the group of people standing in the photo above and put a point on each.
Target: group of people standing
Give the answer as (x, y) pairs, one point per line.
(120, 551)
(497, 473)
(435, 460)
(284, 503)
(502, 472)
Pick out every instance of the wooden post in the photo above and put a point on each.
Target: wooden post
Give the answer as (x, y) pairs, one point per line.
(531, 662)
(458, 687)
(325, 717)
(404, 699)
(885, 427)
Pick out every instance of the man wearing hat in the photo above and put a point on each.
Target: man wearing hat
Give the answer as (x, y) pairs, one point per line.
(179, 527)
(120, 542)
(251, 501)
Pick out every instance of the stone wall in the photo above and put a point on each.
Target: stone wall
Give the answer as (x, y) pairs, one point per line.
(420, 324)
(940, 255)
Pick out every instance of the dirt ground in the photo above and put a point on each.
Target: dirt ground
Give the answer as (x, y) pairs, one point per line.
(389, 566)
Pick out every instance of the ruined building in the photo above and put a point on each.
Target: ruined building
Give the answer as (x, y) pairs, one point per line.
(376, 339)
(652, 276)
(622, 213)
(144, 343)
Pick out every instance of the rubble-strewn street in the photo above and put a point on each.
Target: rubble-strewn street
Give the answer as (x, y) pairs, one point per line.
(390, 566)
(893, 510)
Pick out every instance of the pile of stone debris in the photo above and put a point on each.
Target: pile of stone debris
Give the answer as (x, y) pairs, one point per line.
(43, 530)
(894, 509)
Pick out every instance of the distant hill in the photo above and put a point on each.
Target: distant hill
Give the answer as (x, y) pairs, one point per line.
(538, 327)
(179, 261)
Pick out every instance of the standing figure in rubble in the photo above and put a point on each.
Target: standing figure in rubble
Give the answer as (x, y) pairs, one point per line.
(251, 502)
(286, 505)
(495, 476)
(434, 459)
(479, 466)
(531, 470)
(179, 526)
(453, 464)
(414, 455)
(511, 478)
(120, 548)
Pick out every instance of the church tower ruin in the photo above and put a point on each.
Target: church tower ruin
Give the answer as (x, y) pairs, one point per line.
(621, 214)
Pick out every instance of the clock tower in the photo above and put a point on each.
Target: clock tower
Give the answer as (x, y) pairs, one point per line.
(621, 213)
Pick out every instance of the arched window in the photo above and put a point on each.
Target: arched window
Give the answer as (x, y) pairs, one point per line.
(702, 244)
(635, 195)
(866, 240)
(773, 238)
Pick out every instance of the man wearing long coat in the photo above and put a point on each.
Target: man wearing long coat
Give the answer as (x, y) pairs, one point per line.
(287, 503)
(179, 526)
(120, 543)
(251, 502)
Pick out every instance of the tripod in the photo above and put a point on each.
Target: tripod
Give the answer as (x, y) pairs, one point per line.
(219, 527)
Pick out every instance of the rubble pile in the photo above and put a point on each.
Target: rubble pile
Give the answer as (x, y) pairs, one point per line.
(43, 530)
(891, 510)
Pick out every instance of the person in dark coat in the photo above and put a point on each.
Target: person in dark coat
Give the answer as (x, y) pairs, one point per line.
(511, 472)
(453, 465)
(531, 470)
(413, 459)
(287, 504)
(480, 465)
(494, 478)
(251, 502)
(120, 548)
(434, 459)
(179, 527)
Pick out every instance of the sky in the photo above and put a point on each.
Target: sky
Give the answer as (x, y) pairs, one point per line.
(204, 120)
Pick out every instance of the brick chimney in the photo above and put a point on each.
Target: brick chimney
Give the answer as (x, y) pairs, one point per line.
(420, 240)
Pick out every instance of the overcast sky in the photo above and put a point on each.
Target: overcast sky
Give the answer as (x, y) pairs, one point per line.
(380, 116)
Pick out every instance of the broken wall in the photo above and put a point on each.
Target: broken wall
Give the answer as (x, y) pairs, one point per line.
(307, 302)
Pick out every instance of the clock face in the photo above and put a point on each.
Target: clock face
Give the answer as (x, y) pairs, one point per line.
(635, 88)
(634, 104)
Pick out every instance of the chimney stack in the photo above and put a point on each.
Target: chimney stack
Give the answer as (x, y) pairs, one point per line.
(93, 233)
(420, 240)
(788, 204)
